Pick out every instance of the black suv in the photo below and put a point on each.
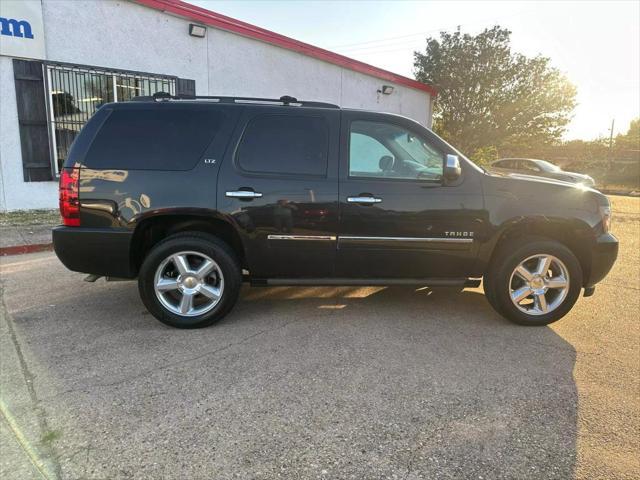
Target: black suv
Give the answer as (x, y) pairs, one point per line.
(194, 195)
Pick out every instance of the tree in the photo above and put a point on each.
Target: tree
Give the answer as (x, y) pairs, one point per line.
(630, 141)
(64, 104)
(490, 97)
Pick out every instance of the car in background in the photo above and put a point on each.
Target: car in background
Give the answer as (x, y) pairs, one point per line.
(540, 168)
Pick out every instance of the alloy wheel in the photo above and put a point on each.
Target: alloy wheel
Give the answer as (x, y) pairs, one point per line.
(188, 283)
(539, 284)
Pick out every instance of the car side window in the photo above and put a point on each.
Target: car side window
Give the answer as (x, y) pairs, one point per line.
(529, 166)
(500, 164)
(285, 145)
(365, 153)
(383, 150)
(508, 164)
(172, 138)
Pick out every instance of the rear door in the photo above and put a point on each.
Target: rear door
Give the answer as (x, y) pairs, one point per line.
(278, 185)
(397, 217)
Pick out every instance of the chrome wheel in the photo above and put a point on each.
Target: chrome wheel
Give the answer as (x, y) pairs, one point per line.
(188, 283)
(539, 284)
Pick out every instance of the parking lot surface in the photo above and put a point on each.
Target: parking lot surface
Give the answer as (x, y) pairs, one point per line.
(299, 383)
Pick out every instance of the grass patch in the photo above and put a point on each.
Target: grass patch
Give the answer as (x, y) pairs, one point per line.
(30, 217)
(618, 188)
(51, 436)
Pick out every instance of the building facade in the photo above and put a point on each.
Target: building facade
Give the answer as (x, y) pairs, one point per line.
(60, 60)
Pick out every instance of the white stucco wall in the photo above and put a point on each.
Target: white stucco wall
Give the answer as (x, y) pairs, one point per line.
(125, 35)
(244, 66)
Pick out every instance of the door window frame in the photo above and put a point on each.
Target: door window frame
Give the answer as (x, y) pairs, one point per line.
(420, 181)
(246, 122)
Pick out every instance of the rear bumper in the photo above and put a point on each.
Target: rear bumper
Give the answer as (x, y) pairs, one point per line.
(101, 251)
(603, 256)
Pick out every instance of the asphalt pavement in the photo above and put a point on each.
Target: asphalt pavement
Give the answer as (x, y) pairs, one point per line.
(318, 383)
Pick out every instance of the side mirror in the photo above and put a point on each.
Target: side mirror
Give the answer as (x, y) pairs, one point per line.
(452, 169)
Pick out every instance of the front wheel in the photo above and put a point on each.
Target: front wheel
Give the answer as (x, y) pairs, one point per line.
(535, 283)
(190, 280)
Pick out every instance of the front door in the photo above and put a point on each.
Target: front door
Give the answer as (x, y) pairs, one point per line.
(398, 218)
(278, 185)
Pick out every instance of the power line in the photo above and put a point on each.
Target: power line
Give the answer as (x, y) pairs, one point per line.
(375, 52)
(384, 39)
(435, 30)
(386, 44)
(373, 48)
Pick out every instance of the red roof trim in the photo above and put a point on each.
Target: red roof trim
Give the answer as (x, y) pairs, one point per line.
(223, 22)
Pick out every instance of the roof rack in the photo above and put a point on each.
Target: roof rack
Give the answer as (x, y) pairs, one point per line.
(284, 100)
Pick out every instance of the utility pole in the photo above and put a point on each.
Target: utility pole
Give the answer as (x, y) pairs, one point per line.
(610, 154)
(613, 122)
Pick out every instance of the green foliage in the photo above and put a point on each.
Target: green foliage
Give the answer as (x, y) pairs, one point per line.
(626, 147)
(50, 436)
(629, 142)
(484, 155)
(491, 97)
(571, 151)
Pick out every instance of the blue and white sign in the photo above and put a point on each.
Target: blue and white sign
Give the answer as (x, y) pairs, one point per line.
(21, 29)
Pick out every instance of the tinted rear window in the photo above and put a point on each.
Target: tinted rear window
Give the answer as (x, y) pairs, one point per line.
(154, 139)
(290, 145)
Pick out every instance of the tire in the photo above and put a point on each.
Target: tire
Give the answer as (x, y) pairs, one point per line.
(211, 279)
(502, 281)
(490, 294)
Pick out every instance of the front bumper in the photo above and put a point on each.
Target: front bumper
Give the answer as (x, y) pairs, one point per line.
(603, 256)
(100, 251)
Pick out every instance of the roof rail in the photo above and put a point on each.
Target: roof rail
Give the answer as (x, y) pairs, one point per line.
(284, 100)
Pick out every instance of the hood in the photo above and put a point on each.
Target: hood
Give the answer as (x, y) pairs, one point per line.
(535, 191)
(539, 180)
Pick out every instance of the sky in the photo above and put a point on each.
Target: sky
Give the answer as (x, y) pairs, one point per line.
(596, 44)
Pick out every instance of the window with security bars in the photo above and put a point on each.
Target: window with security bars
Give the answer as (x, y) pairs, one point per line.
(75, 93)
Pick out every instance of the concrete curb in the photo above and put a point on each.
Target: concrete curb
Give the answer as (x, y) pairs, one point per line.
(22, 249)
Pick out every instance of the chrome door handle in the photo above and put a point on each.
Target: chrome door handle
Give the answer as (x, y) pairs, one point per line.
(243, 194)
(364, 200)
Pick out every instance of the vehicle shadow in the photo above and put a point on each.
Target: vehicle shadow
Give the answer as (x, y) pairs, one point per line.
(361, 382)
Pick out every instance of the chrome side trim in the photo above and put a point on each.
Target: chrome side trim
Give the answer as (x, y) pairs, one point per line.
(349, 238)
(353, 238)
(324, 238)
(432, 282)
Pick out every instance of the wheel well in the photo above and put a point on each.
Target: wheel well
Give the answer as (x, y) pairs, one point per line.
(149, 232)
(562, 233)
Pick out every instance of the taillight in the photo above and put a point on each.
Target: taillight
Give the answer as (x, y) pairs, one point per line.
(69, 196)
(605, 214)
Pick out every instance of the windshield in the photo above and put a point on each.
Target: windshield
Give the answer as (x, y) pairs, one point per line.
(547, 166)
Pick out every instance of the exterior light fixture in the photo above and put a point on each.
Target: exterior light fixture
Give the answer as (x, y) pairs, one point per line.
(386, 90)
(197, 30)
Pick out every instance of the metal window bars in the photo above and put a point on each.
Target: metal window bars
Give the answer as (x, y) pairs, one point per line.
(75, 92)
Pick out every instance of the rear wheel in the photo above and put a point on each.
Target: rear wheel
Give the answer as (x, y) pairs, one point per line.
(190, 280)
(535, 283)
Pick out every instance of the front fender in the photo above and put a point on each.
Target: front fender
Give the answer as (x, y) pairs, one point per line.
(517, 207)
